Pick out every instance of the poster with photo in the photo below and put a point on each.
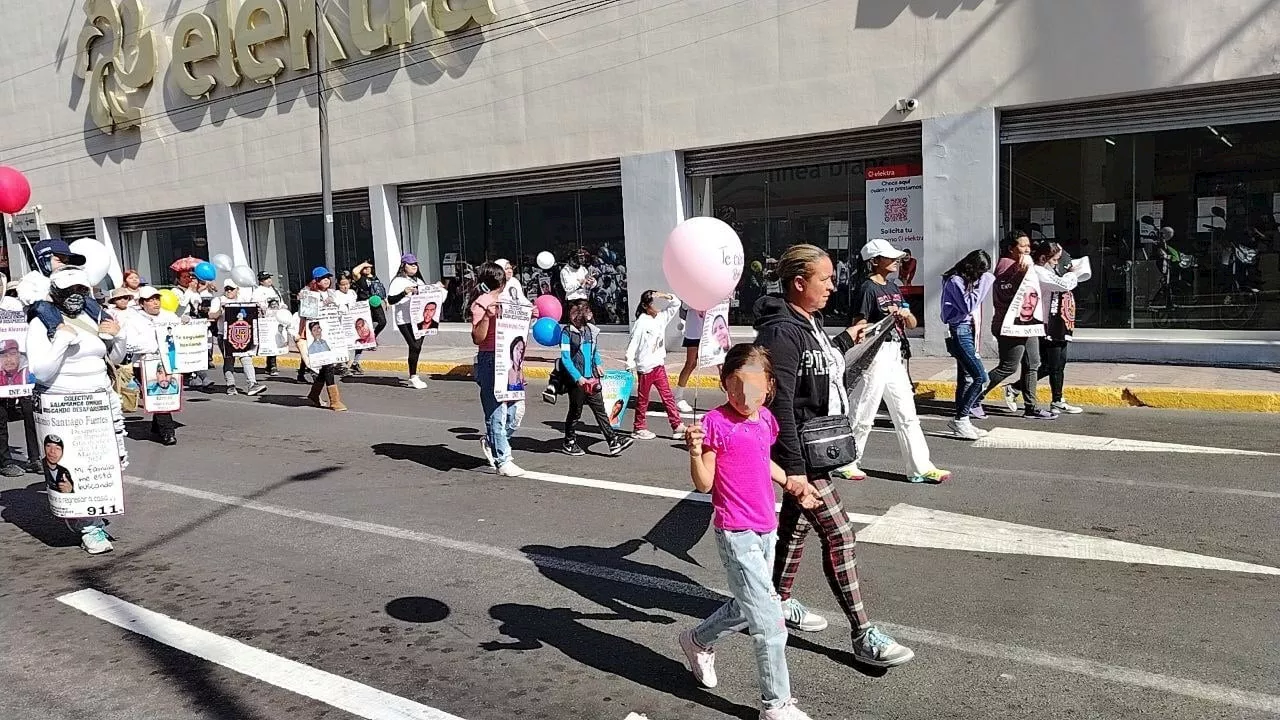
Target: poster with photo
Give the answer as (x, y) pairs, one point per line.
(337, 328)
(15, 379)
(1020, 320)
(273, 332)
(361, 319)
(615, 390)
(161, 390)
(241, 328)
(81, 455)
(425, 308)
(184, 348)
(715, 341)
(510, 337)
(318, 351)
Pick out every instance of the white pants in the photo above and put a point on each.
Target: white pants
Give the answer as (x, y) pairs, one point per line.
(887, 379)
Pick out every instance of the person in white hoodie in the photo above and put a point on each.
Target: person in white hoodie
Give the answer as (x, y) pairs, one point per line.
(72, 361)
(1056, 310)
(139, 335)
(231, 295)
(647, 357)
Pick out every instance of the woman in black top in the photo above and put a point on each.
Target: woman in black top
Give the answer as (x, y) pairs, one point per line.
(367, 285)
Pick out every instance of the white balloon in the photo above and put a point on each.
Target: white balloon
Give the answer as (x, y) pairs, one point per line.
(546, 260)
(222, 262)
(97, 258)
(243, 276)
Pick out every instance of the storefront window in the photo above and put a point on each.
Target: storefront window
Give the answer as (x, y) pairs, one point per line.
(1180, 226)
(151, 252)
(290, 247)
(457, 236)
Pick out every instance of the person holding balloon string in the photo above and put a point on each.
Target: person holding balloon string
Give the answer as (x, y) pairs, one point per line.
(580, 361)
(194, 302)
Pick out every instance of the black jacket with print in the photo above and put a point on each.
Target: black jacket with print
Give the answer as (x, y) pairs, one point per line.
(800, 371)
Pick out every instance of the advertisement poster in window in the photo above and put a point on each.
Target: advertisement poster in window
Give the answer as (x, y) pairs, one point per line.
(15, 379)
(425, 308)
(895, 212)
(361, 318)
(81, 456)
(715, 341)
(161, 390)
(184, 348)
(510, 337)
(242, 328)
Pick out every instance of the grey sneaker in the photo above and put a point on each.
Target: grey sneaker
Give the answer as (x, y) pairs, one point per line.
(231, 390)
(877, 649)
(801, 618)
(255, 389)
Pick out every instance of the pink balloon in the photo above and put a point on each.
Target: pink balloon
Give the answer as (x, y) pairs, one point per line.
(702, 262)
(548, 306)
(15, 191)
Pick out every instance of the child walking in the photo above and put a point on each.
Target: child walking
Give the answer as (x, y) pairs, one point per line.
(729, 457)
(580, 357)
(647, 357)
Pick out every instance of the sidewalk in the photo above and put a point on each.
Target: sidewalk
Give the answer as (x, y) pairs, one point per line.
(1088, 384)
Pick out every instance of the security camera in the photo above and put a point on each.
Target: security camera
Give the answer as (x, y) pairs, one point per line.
(906, 105)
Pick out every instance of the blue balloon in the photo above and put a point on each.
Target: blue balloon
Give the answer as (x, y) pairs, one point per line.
(206, 271)
(546, 331)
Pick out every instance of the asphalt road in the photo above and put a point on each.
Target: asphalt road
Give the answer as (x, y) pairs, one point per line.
(375, 546)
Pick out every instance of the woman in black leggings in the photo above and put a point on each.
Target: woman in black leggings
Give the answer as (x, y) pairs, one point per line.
(367, 285)
(407, 282)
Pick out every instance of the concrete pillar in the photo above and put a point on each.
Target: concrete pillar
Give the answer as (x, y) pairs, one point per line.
(228, 231)
(107, 231)
(961, 205)
(384, 217)
(654, 201)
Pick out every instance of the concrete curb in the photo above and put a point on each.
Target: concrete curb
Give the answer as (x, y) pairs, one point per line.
(1088, 396)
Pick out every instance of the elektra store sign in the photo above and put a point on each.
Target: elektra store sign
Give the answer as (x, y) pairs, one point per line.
(119, 52)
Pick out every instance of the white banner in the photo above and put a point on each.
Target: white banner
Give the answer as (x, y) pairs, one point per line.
(425, 309)
(161, 390)
(361, 317)
(318, 350)
(509, 339)
(81, 456)
(1020, 320)
(15, 379)
(895, 212)
(184, 348)
(715, 341)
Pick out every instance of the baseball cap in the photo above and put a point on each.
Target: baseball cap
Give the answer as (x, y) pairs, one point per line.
(9, 346)
(229, 283)
(502, 263)
(45, 248)
(53, 440)
(264, 275)
(319, 273)
(879, 247)
(409, 259)
(147, 292)
(69, 277)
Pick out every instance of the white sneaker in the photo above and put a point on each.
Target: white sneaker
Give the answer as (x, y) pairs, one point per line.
(416, 383)
(94, 541)
(678, 433)
(786, 712)
(1010, 398)
(801, 618)
(510, 469)
(643, 435)
(964, 430)
(702, 661)
(486, 450)
(1065, 408)
(684, 406)
(255, 389)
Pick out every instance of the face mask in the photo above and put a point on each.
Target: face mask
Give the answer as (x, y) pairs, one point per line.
(72, 304)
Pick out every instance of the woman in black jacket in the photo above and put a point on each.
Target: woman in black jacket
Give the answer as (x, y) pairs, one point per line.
(809, 371)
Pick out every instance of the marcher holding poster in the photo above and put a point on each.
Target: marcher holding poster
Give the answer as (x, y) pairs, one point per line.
(511, 337)
(15, 378)
(494, 330)
(161, 391)
(424, 310)
(13, 326)
(580, 358)
(1015, 325)
(361, 319)
(72, 386)
(615, 388)
(239, 339)
(141, 335)
(184, 348)
(715, 340)
(1056, 312)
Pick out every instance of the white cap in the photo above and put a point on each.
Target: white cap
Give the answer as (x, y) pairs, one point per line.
(879, 247)
(69, 277)
(229, 283)
(502, 263)
(146, 292)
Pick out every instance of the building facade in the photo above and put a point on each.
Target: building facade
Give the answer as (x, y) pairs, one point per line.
(467, 130)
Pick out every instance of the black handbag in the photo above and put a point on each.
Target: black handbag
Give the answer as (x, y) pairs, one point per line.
(827, 443)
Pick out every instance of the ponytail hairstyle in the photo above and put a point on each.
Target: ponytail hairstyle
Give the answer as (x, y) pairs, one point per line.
(797, 262)
(646, 302)
(970, 268)
(1042, 250)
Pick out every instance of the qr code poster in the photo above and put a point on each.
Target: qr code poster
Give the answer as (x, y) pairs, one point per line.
(895, 212)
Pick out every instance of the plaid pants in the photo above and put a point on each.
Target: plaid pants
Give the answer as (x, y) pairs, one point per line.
(836, 533)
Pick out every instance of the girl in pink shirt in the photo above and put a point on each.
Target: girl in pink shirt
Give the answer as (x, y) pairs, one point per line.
(729, 457)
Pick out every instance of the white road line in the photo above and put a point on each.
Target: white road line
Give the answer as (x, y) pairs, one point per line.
(353, 697)
(1012, 439)
(1074, 665)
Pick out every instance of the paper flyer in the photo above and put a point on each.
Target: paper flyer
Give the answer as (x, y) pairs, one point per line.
(615, 390)
(509, 339)
(184, 348)
(715, 341)
(361, 319)
(424, 309)
(1081, 267)
(81, 457)
(161, 390)
(15, 379)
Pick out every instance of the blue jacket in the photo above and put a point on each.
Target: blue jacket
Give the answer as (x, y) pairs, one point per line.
(579, 353)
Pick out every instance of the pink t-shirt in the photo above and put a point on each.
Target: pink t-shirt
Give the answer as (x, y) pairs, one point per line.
(477, 314)
(743, 491)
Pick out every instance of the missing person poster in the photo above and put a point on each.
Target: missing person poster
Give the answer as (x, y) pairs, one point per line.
(161, 390)
(318, 351)
(615, 390)
(424, 310)
(273, 333)
(184, 348)
(242, 328)
(361, 319)
(81, 455)
(1020, 320)
(15, 379)
(509, 339)
(715, 341)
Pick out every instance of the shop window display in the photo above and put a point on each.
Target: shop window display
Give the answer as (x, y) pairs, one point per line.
(290, 247)
(151, 252)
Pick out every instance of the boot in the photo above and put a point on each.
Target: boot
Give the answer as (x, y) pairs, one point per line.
(335, 400)
(314, 397)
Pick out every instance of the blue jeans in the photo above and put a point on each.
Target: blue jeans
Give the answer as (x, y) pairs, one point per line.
(748, 557)
(499, 417)
(971, 376)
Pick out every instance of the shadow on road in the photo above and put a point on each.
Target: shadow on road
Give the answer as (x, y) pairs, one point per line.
(436, 457)
(417, 609)
(28, 509)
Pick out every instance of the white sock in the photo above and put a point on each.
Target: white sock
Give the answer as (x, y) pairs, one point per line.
(250, 372)
(679, 393)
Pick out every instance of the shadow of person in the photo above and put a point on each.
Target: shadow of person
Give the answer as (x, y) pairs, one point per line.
(681, 529)
(533, 627)
(27, 509)
(436, 457)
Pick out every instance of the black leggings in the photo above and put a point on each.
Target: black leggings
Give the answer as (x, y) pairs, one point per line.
(1053, 364)
(579, 397)
(415, 347)
(326, 377)
(379, 315)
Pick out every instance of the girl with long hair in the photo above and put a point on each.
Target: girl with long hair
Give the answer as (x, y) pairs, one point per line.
(647, 357)
(964, 288)
(407, 283)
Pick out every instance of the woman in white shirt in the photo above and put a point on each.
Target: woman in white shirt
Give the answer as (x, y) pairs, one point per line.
(310, 301)
(218, 310)
(407, 282)
(72, 361)
(345, 298)
(194, 296)
(647, 356)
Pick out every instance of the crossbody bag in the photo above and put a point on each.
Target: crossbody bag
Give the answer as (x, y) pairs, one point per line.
(827, 441)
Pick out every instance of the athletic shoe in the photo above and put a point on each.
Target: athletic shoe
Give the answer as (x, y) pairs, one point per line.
(356, 369)
(570, 447)
(849, 472)
(273, 372)
(619, 444)
(169, 439)
(800, 618)
(932, 477)
(1065, 408)
(486, 450)
(34, 467)
(786, 712)
(510, 469)
(643, 435)
(12, 470)
(416, 383)
(702, 661)
(95, 542)
(1011, 398)
(1039, 415)
(231, 390)
(977, 412)
(678, 433)
(255, 389)
(877, 649)
(964, 429)
(684, 406)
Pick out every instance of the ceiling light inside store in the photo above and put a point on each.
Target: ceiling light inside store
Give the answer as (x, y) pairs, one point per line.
(1110, 141)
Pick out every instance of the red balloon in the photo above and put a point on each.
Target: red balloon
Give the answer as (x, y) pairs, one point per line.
(15, 191)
